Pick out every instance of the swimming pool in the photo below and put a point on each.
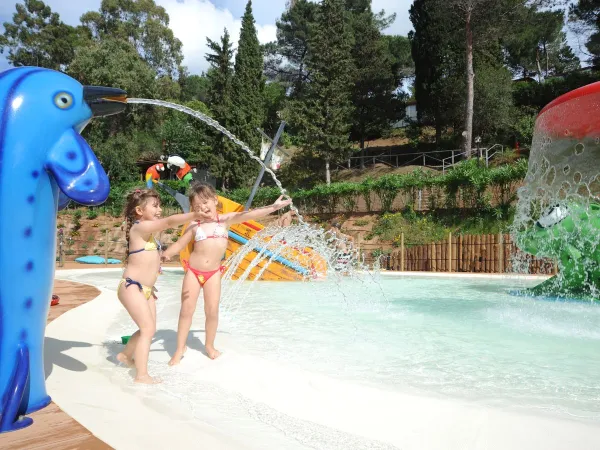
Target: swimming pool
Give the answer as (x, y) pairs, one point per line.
(286, 345)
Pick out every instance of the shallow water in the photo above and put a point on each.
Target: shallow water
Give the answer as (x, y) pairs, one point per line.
(449, 337)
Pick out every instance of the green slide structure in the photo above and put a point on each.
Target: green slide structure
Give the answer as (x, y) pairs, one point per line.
(558, 212)
(569, 234)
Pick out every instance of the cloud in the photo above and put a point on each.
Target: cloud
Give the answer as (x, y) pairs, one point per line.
(193, 21)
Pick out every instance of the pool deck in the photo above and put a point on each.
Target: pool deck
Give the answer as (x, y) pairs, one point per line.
(52, 428)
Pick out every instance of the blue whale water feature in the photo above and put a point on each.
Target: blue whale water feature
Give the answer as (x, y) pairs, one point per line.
(42, 157)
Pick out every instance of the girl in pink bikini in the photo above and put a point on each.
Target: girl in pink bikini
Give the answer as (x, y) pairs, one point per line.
(204, 268)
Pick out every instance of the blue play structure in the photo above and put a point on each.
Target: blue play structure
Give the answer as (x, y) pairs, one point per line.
(44, 161)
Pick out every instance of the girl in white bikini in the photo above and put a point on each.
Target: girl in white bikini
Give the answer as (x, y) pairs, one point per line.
(204, 269)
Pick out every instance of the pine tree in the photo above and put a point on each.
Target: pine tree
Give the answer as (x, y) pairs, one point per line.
(230, 166)
(438, 53)
(374, 97)
(323, 115)
(248, 84)
(286, 60)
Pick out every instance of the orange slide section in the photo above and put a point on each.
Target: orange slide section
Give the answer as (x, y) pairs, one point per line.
(295, 265)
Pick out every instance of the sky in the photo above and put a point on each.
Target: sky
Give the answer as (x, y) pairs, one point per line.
(193, 21)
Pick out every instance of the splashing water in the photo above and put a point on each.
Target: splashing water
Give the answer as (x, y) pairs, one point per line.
(339, 257)
(558, 209)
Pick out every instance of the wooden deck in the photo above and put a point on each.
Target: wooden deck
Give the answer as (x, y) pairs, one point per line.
(52, 428)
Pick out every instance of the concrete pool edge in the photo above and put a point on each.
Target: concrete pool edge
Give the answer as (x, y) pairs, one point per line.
(79, 388)
(111, 413)
(385, 273)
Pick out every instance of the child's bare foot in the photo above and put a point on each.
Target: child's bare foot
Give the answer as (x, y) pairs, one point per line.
(123, 359)
(212, 352)
(147, 379)
(176, 359)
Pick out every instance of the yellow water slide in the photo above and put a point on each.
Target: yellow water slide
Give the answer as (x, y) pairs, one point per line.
(294, 265)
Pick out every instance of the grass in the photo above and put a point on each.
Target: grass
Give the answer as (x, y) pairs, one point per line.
(424, 228)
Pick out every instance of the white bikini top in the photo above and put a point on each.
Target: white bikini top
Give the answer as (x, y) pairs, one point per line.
(219, 232)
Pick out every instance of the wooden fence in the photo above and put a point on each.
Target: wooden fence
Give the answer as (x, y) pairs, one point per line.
(488, 253)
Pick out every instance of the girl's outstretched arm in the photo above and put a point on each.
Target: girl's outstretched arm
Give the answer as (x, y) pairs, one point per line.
(154, 226)
(239, 217)
(180, 244)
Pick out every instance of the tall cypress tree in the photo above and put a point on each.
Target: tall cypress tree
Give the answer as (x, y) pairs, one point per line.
(248, 84)
(231, 161)
(374, 97)
(323, 114)
(437, 50)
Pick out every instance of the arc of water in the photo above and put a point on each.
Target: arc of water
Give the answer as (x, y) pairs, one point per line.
(333, 239)
(213, 123)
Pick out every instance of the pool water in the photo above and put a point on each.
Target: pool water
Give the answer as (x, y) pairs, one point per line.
(450, 337)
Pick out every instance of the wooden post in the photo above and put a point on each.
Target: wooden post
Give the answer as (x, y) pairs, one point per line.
(500, 267)
(555, 268)
(485, 263)
(460, 254)
(449, 255)
(470, 266)
(477, 253)
(402, 252)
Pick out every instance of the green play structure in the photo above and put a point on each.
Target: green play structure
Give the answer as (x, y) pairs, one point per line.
(558, 212)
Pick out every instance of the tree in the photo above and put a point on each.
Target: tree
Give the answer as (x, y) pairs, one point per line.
(274, 101)
(144, 25)
(585, 15)
(188, 137)
(248, 84)
(37, 37)
(481, 22)
(323, 115)
(120, 140)
(438, 52)
(286, 58)
(194, 87)
(230, 164)
(539, 45)
(374, 97)
(399, 48)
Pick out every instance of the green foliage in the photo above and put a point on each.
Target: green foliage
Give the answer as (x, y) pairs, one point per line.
(194, 87)
(323, 115)
(399, 49)
(538, 95)
(424, 228)
(188, 137)
(92, 213)
(37, 37)
(142, 23)
(467, 184)
(538, 46)
(248, 84)
(584, 13)
(286, 59)
(231, 165)
(374, 94)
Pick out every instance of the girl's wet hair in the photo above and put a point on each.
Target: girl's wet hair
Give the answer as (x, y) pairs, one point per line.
(139, 197)
(199, 189)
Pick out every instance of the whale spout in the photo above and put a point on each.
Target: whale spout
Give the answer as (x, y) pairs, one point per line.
(104, 101)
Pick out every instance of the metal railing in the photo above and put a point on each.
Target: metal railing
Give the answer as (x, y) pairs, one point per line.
(431, 159)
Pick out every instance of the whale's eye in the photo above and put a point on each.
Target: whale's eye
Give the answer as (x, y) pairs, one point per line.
(63, 100)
